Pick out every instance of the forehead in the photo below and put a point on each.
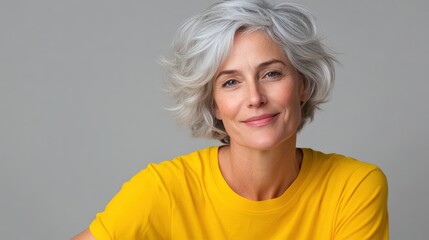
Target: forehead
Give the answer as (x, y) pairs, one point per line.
(253, 47)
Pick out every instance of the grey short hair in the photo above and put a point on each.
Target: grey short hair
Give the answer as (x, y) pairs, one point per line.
(205, 40)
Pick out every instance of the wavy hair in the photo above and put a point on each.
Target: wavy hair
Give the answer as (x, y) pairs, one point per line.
(204, 41)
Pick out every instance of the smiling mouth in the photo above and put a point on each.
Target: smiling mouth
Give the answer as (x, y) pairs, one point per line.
(261, 120)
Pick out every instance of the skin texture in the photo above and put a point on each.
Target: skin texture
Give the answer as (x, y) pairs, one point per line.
(85, 235)
(257, 93)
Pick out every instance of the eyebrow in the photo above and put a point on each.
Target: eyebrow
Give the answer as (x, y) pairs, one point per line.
(261, 65)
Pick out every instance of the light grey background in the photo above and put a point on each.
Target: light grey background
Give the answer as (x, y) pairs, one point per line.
(81, 104)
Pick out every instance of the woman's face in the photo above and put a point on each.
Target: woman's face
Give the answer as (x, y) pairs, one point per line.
(257, 93)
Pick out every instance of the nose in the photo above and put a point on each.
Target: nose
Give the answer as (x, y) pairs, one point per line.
(256, 95)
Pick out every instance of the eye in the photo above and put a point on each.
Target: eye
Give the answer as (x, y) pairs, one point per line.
(272, 74)
(230, 83)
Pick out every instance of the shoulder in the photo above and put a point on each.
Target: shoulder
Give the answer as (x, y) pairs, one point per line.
(340, 164)
(344, 173)
(357, 191)
(160, 177)
(175, 174)
(147, 198)
(191, 162)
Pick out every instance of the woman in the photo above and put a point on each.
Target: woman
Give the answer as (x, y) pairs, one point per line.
(251, 75)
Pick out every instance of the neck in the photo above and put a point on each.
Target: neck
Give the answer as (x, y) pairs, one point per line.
(260, 175)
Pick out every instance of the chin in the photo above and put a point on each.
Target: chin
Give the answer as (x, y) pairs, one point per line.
(268, 143)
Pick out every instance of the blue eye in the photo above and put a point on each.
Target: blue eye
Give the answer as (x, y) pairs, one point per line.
(272, 74)
(229, 83)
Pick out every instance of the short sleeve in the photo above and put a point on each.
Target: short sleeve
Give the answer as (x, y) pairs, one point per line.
(363, 212)
(129, 213)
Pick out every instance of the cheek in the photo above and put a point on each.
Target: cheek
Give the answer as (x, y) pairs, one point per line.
(287, 96)
(218, 115)
(216, 112)
(290, 101)
(216, 106)
(226, 108)
(220, 105)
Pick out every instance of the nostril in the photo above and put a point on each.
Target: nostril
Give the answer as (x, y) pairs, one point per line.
(257, 101)
(256, 97)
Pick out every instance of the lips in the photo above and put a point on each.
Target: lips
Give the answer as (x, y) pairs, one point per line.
(261, 120)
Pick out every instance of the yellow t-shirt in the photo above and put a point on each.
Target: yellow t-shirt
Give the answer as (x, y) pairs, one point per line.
(333, 197)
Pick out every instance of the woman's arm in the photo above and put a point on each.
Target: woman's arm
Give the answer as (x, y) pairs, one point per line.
(364, 213)
(85, 235)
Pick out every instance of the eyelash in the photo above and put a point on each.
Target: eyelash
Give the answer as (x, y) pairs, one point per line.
(229, 82)
(277, 74)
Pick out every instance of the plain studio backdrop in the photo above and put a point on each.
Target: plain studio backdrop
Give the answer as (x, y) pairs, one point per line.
(81, 104)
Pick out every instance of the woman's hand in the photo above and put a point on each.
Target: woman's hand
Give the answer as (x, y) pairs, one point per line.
(85, 235)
